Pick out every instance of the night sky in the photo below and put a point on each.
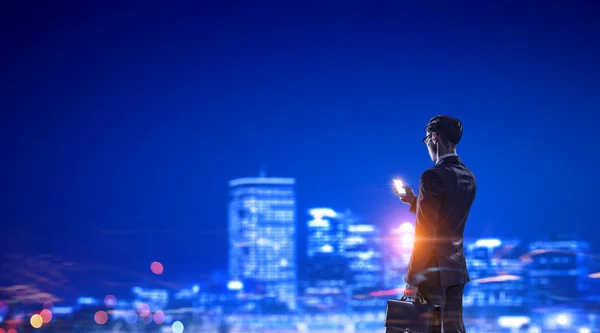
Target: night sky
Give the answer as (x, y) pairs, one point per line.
(122, 123)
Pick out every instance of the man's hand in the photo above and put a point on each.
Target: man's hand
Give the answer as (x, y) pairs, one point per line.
(407, 197)
(410, 291)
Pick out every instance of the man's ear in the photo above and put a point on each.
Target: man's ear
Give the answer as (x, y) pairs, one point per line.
(434, 138)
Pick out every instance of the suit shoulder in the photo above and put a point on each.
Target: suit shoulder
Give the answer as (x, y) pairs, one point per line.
(435, 171)
(433, 174)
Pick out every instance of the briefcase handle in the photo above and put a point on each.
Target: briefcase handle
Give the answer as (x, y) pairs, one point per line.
(416, 299)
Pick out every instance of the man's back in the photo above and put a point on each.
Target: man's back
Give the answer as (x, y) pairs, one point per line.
(457, 194)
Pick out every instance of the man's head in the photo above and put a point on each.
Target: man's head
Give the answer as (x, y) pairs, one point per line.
(442, 134)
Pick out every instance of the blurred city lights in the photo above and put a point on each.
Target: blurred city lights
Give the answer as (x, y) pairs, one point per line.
(406, 227)
(156, 268)
(513, 321)
(326, 248)
(319, 213)
(143, 309)
(563, 319)
(46, 315)
(235, 285)
(110, 301)
(177, 327)
(36, 321)
(488, 242)
(131, 317)
(101, 317)
(407, 241)
(361, 228)
(159, 317)
(499, 278)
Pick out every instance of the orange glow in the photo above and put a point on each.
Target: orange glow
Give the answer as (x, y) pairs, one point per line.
(110, 301)
(46, 315)
(36, 321)
(101, 317)
(156, 268)
(159, 317)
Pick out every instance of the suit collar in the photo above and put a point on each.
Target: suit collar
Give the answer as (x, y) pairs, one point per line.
(450, 158)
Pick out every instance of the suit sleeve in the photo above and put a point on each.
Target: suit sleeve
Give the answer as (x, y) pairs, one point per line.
(427, 209)
(413, 205)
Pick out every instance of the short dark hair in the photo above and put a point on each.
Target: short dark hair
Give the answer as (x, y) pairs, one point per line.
(448, 128)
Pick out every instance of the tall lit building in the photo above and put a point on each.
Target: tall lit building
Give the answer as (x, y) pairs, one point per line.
(326, 232)
(364, 256)
(327, 267)
(365, 265)
(262, 235)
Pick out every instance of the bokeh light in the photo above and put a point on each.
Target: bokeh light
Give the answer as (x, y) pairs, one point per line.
(177, 327)
(110, 301)
(157, 268)
(131, 317)
(143, 309)
(2, 330)
(46, 315)
(147, 319)
(36, 321)
(159, 317)
(101, 317)
(12, 330)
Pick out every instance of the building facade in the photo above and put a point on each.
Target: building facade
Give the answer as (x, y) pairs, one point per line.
(327, 267)
(262, 236)
(498, 277)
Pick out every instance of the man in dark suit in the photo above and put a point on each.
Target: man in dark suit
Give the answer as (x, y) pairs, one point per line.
(437, 270)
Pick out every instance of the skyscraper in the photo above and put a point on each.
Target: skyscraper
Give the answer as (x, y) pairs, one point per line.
(326, 232)
(262, 235)
(362, 250)
(327, 267)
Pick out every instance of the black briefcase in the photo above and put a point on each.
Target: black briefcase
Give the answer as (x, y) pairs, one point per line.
(412, 315)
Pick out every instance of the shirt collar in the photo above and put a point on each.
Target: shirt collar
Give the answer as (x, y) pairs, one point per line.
(441, 158)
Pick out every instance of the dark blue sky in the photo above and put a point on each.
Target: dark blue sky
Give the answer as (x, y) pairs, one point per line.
(122, 123)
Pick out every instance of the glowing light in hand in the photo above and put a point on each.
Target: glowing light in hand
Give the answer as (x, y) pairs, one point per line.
(398, 184)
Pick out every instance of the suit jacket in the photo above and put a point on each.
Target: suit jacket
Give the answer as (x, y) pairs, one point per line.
(446, 193)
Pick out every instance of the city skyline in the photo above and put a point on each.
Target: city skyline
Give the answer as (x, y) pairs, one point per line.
(500, 290)
(246, 196)
(355, 266)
